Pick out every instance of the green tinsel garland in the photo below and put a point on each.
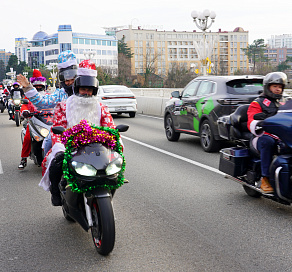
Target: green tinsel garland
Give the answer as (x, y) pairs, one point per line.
(71, 180)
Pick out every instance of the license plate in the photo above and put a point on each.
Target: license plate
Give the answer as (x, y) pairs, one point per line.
(120, 108)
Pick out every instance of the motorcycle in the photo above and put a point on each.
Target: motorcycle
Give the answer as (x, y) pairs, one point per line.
(92, 172)
(39, 127)
(2, 102)
(242, 163)
(15, 106)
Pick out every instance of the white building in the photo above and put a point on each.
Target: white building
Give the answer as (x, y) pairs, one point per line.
(280, 41)
(44, 49)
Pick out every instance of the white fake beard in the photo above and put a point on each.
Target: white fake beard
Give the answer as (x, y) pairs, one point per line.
(79, 108)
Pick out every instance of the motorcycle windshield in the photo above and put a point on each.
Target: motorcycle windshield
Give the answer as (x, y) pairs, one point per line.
(281, 123)
(16, 95)
(95, 154)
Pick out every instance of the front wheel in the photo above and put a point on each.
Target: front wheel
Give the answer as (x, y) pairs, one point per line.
(17, 118)
(171, 135)
(251, 192)
(2, 108)
(207, 139)
(103, 229)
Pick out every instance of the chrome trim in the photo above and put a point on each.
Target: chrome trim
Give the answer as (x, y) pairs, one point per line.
(277, 183)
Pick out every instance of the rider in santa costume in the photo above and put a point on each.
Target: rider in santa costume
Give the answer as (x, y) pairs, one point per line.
(83, 104)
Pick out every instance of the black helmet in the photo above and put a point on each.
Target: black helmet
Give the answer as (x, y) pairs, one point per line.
(274, 78)
(67, 74)
(85, 81)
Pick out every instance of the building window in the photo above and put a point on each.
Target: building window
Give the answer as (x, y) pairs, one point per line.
(92, 42)
(98, 42)
(75, 50)
(65, 46)
(98, 52)
(103, 42)
(104, 52)
(75, 41)
(87, 41)
(108, 43)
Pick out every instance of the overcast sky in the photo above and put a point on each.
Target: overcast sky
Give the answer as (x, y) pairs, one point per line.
(23, 18)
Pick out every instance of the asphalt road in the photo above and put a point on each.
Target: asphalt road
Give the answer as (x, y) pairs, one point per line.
(176, 214)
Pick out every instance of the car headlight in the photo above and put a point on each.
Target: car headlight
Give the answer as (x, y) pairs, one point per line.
(114, 167)
(17, 101)
(84, 169)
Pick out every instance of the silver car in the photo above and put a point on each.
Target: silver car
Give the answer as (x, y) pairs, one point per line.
(118, 98)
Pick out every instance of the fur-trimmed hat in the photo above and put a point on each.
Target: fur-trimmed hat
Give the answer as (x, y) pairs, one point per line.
(37, 78)
(66, 59)
(87, 68)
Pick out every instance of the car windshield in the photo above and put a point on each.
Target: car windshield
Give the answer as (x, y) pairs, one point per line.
(245, 86)
(116, 90)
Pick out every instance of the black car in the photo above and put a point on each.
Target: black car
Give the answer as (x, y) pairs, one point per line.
(196, 109)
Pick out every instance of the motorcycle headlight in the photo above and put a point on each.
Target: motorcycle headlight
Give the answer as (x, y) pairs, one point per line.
(114, 167)
(43, 131)
(84, 169)
(17, 101)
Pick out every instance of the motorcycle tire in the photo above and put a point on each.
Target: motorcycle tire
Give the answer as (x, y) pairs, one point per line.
(2, 108)
(103, 229)
(251, 192)
(17, 118)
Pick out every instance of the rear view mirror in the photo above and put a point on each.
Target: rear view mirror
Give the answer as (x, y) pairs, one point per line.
(58, 130)
(175, 94)
(122, 128)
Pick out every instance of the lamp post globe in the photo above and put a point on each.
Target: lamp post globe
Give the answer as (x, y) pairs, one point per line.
(203, 21)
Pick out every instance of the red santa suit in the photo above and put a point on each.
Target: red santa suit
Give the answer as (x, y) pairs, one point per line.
(67, 116)
(26, 145)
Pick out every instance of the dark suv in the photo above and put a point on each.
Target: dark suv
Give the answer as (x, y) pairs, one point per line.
(196, 110)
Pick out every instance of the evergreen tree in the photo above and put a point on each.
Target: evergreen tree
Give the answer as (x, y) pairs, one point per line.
(12, 63)
(124, 49)
(255, 52)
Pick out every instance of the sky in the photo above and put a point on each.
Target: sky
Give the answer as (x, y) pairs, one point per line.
(24, 18)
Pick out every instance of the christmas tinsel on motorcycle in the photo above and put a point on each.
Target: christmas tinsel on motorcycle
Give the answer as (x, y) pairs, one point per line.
(82, 134)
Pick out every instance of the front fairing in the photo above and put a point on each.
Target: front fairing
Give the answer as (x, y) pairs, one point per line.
(98, 156)
(281, 124)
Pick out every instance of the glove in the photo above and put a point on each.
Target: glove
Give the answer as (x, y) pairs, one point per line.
(25, 113)
(260, 116)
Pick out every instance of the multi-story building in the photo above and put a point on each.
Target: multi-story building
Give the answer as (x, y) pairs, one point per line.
(44, 49)
(165, 48)
(4, 56)
(280, 41)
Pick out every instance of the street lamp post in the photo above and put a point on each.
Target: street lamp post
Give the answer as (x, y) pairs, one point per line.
(202, 20)
(53, 74)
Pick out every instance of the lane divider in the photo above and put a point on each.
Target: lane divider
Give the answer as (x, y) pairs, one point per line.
(176, 156)
(1, 169)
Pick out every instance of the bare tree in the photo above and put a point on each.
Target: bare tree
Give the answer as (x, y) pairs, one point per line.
(178, 76)
(150, 76)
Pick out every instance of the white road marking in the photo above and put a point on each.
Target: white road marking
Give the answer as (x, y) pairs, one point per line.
(1, 169)
(149, 116)
(176, 156)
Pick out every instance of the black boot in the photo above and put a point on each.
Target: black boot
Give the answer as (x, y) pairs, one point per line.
(55, 174)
